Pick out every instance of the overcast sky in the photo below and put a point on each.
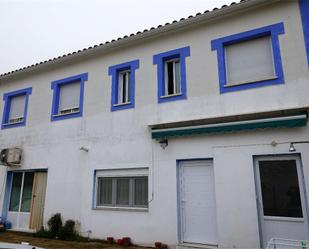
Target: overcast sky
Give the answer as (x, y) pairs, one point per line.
(36, 30)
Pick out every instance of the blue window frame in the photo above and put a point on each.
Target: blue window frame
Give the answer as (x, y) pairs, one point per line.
(171, 74)
(271, 31)
(304, 11)
(60, 87)
(123, 85)
(15, 108)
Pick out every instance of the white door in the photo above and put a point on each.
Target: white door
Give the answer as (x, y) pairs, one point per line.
(20, 200)
(198, 218)
(281, 198)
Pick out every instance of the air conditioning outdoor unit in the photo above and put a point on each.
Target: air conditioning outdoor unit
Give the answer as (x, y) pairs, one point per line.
(11, 156)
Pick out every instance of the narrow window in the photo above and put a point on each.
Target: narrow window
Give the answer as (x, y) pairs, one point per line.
(15, 193)
(172, 77)
(105, 191)
(124, 87)
(123, 191)
(171, 74)
(140, 192)
(25, 204)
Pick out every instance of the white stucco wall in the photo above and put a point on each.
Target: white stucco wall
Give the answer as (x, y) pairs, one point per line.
(122, 139)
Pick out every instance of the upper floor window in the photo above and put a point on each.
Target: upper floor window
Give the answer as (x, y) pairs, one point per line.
(15, 108)
(250, 59)
(123, 85)
(68, 97)
(171, 73)
(172, 77)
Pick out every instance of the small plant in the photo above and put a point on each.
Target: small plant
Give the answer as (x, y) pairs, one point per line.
(120, 242)
(158, 245)
(68, 232)
(42, 233)
(110, 240)
(164, 246)
(55, 225)
(126, 241)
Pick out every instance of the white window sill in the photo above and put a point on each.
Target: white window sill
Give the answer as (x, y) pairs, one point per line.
(16, 212)
(134, 209)
(65, 114)
(171, 95)
(13, 123)
(251, 81)
(121, 104)
(279, 218)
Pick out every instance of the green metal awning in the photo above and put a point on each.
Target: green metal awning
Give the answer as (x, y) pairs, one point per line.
(253, 124)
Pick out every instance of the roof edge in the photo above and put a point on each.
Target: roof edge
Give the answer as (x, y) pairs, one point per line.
(147, 33)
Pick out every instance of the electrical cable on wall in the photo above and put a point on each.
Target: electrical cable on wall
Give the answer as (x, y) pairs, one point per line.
(152, 173)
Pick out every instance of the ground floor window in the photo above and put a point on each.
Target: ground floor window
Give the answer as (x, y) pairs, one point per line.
(21, 194)
(116, 189)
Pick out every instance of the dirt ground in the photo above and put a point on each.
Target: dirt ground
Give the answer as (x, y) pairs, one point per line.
(14, 237)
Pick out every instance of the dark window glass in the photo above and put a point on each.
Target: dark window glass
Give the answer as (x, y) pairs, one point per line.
(170, 78)
(104, 192)
(123, 191)
(27, 192)
(15, 192)
(280, 188)
(124, 89)
(141, 192)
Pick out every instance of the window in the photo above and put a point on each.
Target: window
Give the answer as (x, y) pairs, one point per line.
(123, 85)
(280, 188)
(124, 188)
(304, 11)
(21, 193)
(250, 59)
(15, 108)
(68, 97)
(171, 73)
(172, 77)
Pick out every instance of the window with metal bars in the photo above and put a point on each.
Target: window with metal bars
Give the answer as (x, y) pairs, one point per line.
(122, 192)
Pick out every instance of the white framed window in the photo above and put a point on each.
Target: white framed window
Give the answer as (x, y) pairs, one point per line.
(69, 98)
(21, 193)
(172, 81)
(17, 109)
(122, 188)
(249, 61)
(124, 81)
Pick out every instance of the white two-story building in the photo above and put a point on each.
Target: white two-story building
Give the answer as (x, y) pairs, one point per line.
(193, 133)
